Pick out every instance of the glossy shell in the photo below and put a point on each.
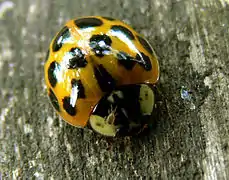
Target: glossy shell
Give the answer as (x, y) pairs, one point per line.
(91, 56)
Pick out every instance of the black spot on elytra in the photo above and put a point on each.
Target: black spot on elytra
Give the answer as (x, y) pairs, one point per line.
(123, 30)
(54, 100)
(125, 60)
(104, 78)
(100, 44)
(77, 59)
(88, 22)
(145, 44)
(60, 39)
(108, 18)
(52, 73)
(47, 55)
(71, 110)
(144, 61)
(80, 89)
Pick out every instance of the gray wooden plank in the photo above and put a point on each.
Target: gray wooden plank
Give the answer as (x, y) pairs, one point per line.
(191, 138)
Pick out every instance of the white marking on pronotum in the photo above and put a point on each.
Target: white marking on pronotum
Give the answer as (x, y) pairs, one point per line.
(32, 8)
(4, 7)
(119, 94)
(110, 98)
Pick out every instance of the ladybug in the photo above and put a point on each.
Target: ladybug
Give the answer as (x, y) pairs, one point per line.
(100, 73)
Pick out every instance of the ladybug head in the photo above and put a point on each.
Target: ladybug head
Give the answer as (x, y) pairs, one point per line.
(125, 111)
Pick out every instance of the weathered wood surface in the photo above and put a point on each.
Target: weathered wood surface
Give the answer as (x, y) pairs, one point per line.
(191, 139)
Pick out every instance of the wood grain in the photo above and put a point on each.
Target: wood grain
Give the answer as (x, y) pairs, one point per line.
(191, 139)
